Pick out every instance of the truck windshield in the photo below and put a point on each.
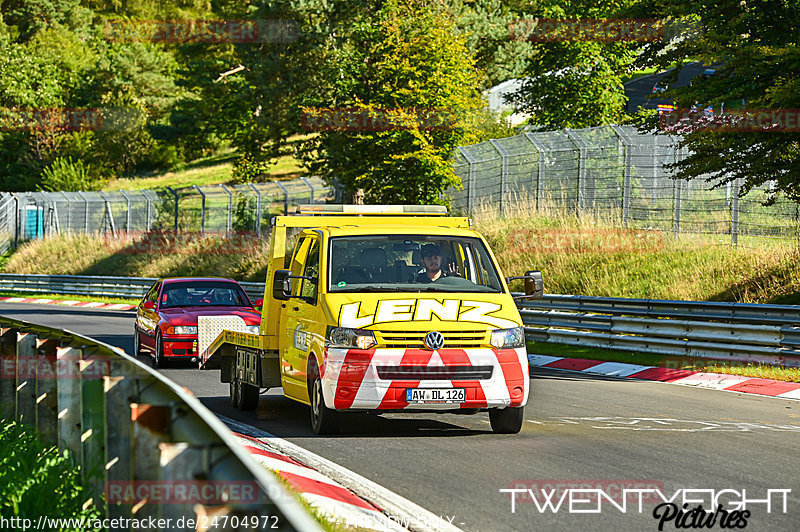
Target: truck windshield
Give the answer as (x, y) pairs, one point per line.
(410, 263)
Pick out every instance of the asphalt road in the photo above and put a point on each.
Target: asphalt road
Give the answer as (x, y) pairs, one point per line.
(581, 431)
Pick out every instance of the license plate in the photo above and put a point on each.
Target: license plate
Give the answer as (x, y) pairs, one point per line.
(436, 395)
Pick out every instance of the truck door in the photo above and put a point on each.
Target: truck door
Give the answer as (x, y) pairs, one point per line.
(299, 318)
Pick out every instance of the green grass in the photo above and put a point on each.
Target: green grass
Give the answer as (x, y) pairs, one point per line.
(155, 256)
(761, 371)
(594, 256)
(36, 480)
(71, 297)
(213, 170)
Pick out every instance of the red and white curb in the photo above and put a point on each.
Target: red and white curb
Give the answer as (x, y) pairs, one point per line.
(338, 494)
(684, 377)
(68, 302)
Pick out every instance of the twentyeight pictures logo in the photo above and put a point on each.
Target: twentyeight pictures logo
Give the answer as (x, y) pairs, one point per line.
(681, 508)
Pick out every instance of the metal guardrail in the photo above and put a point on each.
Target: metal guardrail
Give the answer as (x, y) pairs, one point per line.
(735, 331)
(729, 331)
(86, 285)
(123, 422)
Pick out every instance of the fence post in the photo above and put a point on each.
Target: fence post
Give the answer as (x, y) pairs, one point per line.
(798, 225)
(230, 209)
(503, 175)
(676, 216)
(16, 220)
(310, 188)
(285, 197)
(202, 210)
(734, 213)
(626, 173)
(128, 212)
(471, 186)
(85, 212)
(542, 152)
(258, 209)
(175, 195)
(581, 147)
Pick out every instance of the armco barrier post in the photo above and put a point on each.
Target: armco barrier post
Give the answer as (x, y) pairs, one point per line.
(93, 423)
(150, 428)
(47, 391)
(181, 463)
(25, 384)
(69, 401)
(120, 391)
(8, 366)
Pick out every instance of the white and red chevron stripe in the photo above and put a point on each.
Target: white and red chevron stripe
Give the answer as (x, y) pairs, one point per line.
(716, 381)
(68, 302)
(351, 380)
(331, 499)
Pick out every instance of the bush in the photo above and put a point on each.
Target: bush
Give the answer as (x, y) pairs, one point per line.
(35, 480)
(68, 175)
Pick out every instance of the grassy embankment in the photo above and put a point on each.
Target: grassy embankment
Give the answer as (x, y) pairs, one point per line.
(216, 169)
(577, 256)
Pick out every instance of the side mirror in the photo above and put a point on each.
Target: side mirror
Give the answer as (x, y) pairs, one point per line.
(282, 285)
(149, 305)
(258, 303)
(534, 284)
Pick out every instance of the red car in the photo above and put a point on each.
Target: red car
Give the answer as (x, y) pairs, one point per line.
(166, 320)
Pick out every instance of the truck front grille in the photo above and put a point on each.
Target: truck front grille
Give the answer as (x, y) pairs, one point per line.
(447, 373)
(452, 339)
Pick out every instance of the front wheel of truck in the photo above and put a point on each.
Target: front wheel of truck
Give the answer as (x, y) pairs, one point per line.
(507, 420)
(323, 419)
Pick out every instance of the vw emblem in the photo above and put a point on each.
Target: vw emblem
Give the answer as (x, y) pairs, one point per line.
(434, 340)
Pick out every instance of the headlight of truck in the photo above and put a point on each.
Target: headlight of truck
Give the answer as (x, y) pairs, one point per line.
(508, 338)
(344, 337)
(253, 329)
(185, 329)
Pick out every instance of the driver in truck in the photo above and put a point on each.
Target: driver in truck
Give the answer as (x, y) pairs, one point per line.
(432, 261)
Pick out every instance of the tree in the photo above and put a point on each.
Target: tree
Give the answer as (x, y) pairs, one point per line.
(757, 44)
(576, 83)
(409, 70)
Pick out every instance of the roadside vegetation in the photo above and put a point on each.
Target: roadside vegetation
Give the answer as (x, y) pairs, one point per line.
(37, 480)
(587, 255)
(728, 367)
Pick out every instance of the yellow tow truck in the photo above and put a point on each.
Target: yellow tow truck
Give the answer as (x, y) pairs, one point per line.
(381, 308)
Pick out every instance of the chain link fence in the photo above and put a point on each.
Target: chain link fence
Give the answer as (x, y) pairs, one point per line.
(202, 209)
(618, 173)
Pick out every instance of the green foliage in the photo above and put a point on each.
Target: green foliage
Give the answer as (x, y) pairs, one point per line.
(576, 84)
(757, 44)
(68, 175)
(405, 64)
(36, 481)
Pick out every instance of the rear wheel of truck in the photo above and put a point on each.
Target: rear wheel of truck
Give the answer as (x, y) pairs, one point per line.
(507, 420)
(243, 396)
(248, 396)
(323, 419)
(235, 395)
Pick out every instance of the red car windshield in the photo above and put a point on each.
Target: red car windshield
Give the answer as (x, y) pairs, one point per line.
(203, 294)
